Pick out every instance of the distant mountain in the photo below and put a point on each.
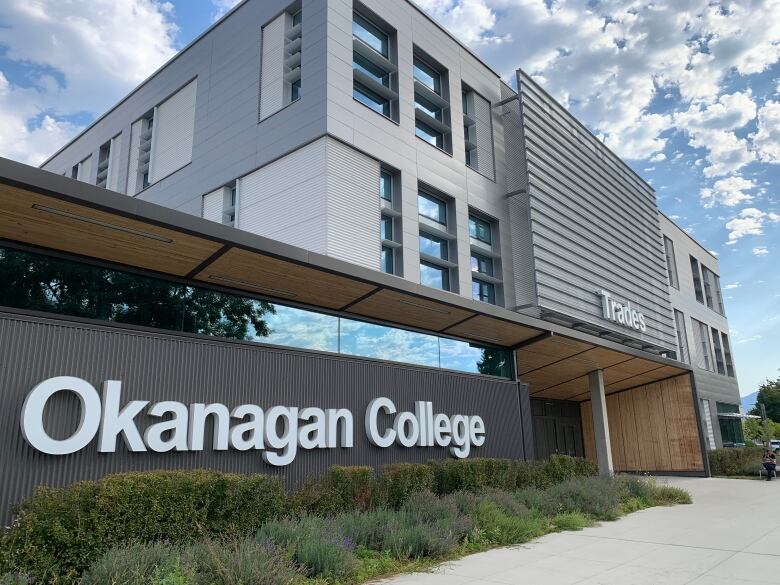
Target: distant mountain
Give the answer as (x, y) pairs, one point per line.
(749, 401)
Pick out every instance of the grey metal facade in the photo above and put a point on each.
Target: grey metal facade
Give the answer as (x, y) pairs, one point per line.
(158, 366)
(569, 217)
(712, 387)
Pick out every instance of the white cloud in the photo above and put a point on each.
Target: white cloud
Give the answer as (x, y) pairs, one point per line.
(80, 56)
(608, 61)
(767, 139)
(222, 7)
(749, 222)
(760, 251)
(658, 157)
(732, 285)
(749, 339)
(728, 192)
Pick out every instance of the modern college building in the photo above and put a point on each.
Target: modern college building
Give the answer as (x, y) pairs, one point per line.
(327, 233)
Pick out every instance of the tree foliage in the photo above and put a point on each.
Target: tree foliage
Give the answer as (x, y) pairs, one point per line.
(41, 283)
(754, 430)
(769, 396)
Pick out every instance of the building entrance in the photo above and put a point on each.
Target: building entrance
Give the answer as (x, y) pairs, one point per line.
(557, 428)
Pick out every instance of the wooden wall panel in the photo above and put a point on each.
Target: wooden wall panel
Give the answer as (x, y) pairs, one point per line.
(588, 440)
(651, 428)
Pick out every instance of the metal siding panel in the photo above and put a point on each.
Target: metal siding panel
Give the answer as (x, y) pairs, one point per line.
(484, 135)
(287, 199)
(353, 205)
(174, 128)
(593, 223)
(166, 367)
(212, 205)
(272, 68)
(135, 143)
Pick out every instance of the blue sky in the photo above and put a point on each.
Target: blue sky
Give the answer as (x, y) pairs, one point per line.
(687, 91)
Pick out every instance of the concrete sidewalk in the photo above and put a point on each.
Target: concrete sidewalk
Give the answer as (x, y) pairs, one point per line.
(730, 535)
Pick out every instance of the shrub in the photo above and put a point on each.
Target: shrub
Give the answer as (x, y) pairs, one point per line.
(571, 521)
(734, 461)
(342, 489)
(409, 539)
(559, 468)
(368, 529)
(453, 475)
(496, 526)
(60, 532)
(14, 579)
(236, 563)
(133, 564)
(316, 544)
(399, 480)
(596, 497)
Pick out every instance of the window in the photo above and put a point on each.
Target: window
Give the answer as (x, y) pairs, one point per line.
(387, 261)
(697, 280)
(280, 62)
(671, 262)
(373, 71)
(432, 208)
(386, 186)
(427, 75)
(386, 227)
(727, 355)
(434, 246)
(478, 132)
(431, 103)
(370, 35)
(431, 136)
(373, 100)
(230, 206)
(373, 66)
(730, 428)
(297, 18)
(483, 291)
(481, 264)
(720, 365)
(434, 276)
(220, 205)
(703, 347)
(295, 90)
(479, 229)
(93, 292)
(466, 134)
(104, 160)
(682, 337)
(712, 290)
(74, 172)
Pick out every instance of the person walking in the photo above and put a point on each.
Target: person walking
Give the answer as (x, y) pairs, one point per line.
(770, 464)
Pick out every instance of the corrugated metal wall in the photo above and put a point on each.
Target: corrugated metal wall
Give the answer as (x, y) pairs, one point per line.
(272, 67)
(353, 205)
(287, 199)
(594, 223)
(166, 367)
(175, 127)
(213, 204)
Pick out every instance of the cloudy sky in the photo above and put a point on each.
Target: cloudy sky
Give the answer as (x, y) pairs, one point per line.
(688, 91)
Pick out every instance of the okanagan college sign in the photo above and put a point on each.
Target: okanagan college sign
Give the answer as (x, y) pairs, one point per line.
(278, 431)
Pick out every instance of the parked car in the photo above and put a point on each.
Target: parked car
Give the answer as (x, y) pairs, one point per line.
(774, 444)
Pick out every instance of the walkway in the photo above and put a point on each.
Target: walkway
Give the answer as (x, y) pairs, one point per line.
(729, 536)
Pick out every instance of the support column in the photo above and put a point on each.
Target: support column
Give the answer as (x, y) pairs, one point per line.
(598, 401)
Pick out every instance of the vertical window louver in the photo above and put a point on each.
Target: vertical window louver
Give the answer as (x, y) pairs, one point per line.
(478, 132)
(146, 128)
(373, 66)
(431, 102)
(104, 162)
(280, 68)
(389, 224)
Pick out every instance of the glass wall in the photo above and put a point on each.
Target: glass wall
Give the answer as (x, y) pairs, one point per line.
(42, 283)
(730, 428)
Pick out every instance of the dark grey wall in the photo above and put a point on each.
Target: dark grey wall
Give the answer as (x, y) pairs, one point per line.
(166, 367)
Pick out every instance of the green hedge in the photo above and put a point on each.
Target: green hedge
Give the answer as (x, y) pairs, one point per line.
(735, 461)
(59, 532)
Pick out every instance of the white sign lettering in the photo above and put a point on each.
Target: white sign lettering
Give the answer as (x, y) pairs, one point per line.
(278, 431)
(622, 313)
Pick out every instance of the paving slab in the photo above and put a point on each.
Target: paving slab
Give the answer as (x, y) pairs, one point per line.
(730, 535)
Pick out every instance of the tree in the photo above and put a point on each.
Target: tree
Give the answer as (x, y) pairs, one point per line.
(754, 430)
(51, 285)
(769, 396)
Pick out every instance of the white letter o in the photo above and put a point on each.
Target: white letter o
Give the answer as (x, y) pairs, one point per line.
(32, 415)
